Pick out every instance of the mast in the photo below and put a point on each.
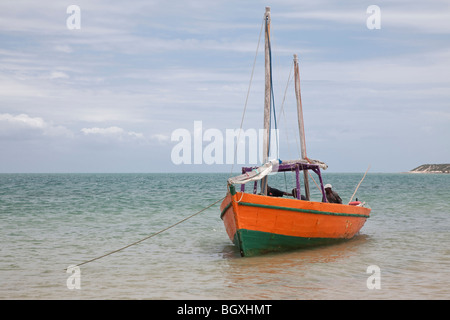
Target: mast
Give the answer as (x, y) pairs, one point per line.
(301, 126)
(267, 98)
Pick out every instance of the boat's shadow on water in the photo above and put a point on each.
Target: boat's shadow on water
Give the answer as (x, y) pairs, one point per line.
(335, 250)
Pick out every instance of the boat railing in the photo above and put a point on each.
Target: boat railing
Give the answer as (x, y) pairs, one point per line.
(292, 166)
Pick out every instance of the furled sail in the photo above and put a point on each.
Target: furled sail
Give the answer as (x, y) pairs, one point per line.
(269, 167)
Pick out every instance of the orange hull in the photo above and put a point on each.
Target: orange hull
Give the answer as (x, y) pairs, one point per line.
(287, 222)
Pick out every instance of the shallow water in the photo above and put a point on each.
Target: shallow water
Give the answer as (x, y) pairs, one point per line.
(51, 221)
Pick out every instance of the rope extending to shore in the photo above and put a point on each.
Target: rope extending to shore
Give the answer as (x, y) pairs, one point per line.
(148, 237)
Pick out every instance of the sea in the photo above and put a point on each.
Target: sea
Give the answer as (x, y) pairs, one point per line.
(172, 250)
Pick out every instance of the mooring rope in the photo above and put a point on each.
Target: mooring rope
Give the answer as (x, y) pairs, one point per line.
(148, 237)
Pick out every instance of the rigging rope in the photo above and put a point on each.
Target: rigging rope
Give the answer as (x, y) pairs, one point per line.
(281, 112)
(148, 237)
(246, 99)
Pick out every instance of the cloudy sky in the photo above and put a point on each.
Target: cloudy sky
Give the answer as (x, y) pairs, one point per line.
(107, 97)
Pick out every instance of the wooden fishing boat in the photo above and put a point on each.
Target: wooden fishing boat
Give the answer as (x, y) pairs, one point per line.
(258, 223)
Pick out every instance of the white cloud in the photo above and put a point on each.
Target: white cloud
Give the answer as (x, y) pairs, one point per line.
(112, 132)
(411, 68)
(397, 15)
(23, 126)
(23, 119)
(17, 88)
(63, 48)
(161, 137)
(423, 20)
(58, 75)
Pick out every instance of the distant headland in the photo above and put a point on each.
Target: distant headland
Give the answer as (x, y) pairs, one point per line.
(432, 168)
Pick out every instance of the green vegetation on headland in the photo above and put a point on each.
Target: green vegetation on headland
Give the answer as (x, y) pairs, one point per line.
(432, 168)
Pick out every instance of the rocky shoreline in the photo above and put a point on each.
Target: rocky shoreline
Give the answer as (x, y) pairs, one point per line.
(432, 168)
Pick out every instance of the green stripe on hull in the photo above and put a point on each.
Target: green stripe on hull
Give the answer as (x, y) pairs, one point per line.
(225, 210)
(252, 243)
